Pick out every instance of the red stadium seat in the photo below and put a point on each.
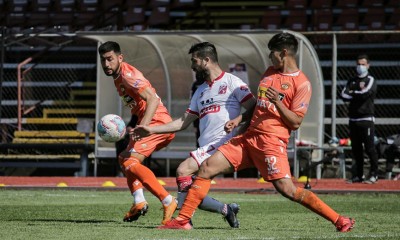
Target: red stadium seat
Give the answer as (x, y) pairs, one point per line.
(112, 5)
(317, 4)
(134, 15)
(184, 4)
(393, 3)
(296, 20)
(290, 4)
(159, 3)
(374, 19)
(393, 22)
(272, 19)
(64, 5)
(88, 5)
(346, 3)
(135, 3)
(372, 3)
(322, 19)
(159, 16)
(348, 19)
(41, 5)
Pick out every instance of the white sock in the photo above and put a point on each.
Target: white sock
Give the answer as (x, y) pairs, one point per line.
(167, 200)
(138, 196)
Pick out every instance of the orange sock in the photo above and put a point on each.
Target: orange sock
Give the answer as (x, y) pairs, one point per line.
(145, 176)
(196, 194)
(133, 183)
(309, 200)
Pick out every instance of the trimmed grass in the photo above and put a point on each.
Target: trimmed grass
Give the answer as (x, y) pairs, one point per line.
(70, 214)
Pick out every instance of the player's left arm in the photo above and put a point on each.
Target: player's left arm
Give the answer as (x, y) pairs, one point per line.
(152, 102)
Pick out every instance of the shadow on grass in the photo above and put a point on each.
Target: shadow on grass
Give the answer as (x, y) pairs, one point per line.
(63, 220)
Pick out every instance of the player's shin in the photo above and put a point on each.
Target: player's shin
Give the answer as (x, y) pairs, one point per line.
(311, 201)
(196, 194)
(145, 176)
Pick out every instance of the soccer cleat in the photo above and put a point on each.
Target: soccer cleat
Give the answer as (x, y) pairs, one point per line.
(372, 180)
(232, 211)
(175, 224)
(344, 224)
(136, 211)
(355, 180)
(169, 210)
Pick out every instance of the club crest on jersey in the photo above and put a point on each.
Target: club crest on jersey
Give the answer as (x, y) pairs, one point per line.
(222, 89)
(285, 86)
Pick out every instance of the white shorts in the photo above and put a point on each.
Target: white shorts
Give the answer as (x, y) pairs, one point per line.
(204, 152)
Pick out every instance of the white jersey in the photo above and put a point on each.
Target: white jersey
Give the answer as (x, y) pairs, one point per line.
(216, 104)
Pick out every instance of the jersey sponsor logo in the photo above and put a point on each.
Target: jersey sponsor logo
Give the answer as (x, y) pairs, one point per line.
(222, 89)
(262, 92)
(261, 103)
(207, 102)
(128, 101)
(210, 109)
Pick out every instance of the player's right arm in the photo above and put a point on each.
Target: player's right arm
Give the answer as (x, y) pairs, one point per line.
(177, 125)
(244, 118)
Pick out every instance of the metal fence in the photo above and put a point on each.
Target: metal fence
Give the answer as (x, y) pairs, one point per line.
(64, 78)
(337, 52)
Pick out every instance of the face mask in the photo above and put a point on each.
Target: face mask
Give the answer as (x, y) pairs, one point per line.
(361, 70)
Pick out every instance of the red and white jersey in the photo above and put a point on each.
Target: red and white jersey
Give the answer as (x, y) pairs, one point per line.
(294, 92)
(216, 104)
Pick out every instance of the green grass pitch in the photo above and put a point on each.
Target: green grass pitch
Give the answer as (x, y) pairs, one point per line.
(89, 214)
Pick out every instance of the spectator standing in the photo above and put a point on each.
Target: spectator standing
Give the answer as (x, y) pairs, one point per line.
(360, 92)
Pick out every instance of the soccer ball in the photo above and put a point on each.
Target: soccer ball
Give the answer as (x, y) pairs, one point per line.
(111, 128)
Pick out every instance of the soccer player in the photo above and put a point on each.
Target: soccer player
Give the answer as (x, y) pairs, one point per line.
(137, 93)
(217, 100)
(283, 98)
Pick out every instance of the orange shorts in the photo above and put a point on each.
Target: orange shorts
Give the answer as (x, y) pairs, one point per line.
(146, 146)
(265, 152)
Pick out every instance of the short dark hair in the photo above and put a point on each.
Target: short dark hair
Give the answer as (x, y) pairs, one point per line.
(363, 56)
(203, 50)
(109, 46)
(282, 41)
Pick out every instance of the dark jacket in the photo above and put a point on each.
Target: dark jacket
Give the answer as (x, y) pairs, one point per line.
(360, 92)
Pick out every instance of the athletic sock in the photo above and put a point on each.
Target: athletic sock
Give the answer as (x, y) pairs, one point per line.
(167, 201)
(196, 194)
(208, 204)
(138, 196)
(183, 184)
(145, 176)
(309, 200)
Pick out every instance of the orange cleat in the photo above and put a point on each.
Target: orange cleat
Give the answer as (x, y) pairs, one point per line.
(136, 211)
(169, 210)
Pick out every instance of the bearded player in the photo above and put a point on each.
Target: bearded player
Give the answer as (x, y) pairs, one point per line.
(138, 94)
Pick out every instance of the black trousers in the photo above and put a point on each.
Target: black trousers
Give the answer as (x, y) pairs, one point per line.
(362, 137)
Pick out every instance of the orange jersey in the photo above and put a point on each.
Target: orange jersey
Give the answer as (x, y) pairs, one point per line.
(129, 84)
(294, 92)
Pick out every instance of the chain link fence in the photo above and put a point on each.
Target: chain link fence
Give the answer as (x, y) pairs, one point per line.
(383, 49)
